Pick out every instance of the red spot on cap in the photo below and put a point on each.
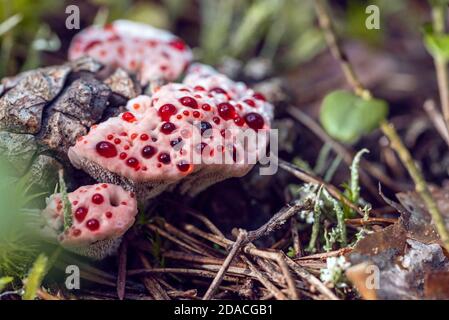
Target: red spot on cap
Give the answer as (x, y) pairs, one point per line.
(164, 158)
(218, 90)
(106, 149)
(128, 117)
(259, 96)
(93, 224)
(166, 111)
(250, 102)
(97, 198)
(226, 111)
(178, 44)
(167, 128)
(148, 152)
(80, 214)
(189, 102)
(254, 120)
(184, 166)
(132, 162)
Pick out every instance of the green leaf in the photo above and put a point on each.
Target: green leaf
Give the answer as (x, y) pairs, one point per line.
(346, 117)
(4, 281)
(436, 43)
(35, 277)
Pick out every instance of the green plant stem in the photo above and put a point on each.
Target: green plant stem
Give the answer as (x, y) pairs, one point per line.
(438, 22)
(334, 45)
(396, 142)
(316, 221)
(420, 184)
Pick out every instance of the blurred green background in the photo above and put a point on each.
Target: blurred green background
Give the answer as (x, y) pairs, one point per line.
(284, 32)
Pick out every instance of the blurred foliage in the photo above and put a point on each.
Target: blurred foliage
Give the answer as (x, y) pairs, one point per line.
(18, 43)
(35, 277)
(18, 245)
(355, 17)
(283, 30)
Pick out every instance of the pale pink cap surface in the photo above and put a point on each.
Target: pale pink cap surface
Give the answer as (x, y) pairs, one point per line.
(99, 212)
(152, 54)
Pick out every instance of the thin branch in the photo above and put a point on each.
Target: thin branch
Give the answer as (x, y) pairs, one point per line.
(277, 220)
(151, 283)
(420, 184)
(219, 277)
(437, 119)
(438, 22)
(297, 246)
(264, 280)
(121, 274)
(334, 45)
(314, 281)
(193, 272)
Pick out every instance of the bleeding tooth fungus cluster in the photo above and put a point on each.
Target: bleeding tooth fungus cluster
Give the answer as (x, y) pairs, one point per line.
(155, 144)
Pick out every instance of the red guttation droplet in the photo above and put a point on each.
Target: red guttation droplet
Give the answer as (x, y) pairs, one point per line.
(239, 121)
(148, 152)
(108, 214)
(168, 128)
(132, 162)
(128, 117)
(166, 111)
(106, 149)
(189, 102)
(226, 111)
(80, 214)
(178, 44)
(250, 102)
(254, 120)
(164, 158)
(93, 224)
(259, 96)
(218, 90)
(184, 166)
(97, 198)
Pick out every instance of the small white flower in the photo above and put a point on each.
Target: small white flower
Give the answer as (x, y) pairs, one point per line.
(333, 273)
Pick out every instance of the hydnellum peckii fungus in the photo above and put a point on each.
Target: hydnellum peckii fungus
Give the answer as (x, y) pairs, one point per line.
(100, 215)
(152, 54)
(185, 133)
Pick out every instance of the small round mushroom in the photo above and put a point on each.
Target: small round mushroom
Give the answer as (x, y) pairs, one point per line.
(151, 53)
(185, 133)
(101, 214)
